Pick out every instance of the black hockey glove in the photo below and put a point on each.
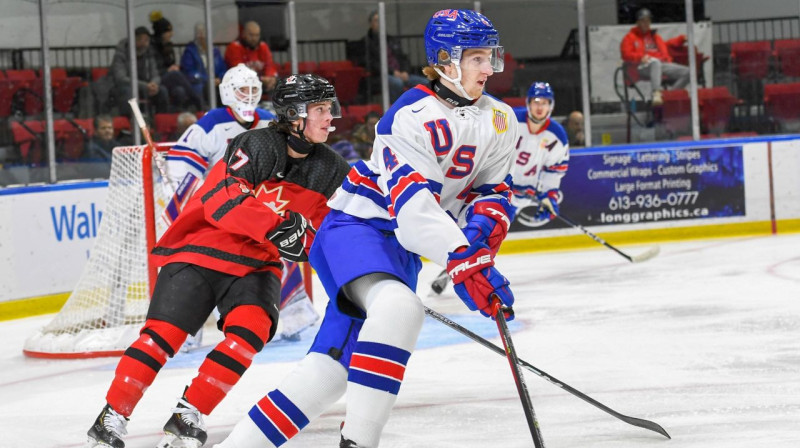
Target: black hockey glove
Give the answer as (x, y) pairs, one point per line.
(293, 237)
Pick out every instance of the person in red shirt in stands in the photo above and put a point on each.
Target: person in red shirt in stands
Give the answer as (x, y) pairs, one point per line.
(252, 52)
(645, 48)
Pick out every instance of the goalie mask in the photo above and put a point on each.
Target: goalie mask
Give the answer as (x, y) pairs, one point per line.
(451, 31)
(293, 95)
(240, 90)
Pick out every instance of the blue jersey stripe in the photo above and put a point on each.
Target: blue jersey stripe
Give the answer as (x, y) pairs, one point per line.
(385, 351)
(189, 161)
(368, 193)
(374, 381)
(266, 426)
(293, 412)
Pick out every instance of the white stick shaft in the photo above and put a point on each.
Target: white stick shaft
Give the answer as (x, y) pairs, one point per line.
(137, 113)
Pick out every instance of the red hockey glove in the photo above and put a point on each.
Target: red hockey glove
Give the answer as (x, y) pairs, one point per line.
(488, 222)
(293, 237)
(476, 280)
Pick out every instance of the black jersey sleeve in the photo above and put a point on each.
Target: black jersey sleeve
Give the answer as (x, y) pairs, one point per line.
(256, 156)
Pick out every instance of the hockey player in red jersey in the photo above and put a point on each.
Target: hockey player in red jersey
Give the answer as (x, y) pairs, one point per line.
(438, 186)
(201, 146)
(260, 203)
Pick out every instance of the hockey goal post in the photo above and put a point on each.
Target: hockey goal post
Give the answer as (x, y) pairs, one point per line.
(105, 311)
(107, 307)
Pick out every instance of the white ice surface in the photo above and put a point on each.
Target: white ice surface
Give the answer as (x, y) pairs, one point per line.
(703, 339)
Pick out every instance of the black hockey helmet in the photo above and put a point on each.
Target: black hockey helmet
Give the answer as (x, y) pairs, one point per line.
(293, 94)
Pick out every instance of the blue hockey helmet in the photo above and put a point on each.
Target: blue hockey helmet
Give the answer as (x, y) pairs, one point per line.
(450, 31)
(541, 89)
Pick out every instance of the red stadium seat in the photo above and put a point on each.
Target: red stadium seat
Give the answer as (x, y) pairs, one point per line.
(676, 111)
(99, 72)
(87, 124)
(346, 81)
(359, 111)
(781, 101)
(716, 106)
(31, 87)
(787, 54)
(121, 123)
(333, 66)
(307, 67)
(21, 75)
(29, 138)
(8, 89)
(165, 126)
(500, 84)
(751, 59)
(70, 140)
(64, 89)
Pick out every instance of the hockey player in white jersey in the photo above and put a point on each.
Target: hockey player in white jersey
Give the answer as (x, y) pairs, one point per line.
(541, 160)
(438, 186)
(201, 146)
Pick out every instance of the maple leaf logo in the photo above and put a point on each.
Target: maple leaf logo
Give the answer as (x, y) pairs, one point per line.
(272, 198)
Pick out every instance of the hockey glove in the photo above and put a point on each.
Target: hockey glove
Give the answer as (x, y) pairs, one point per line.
(548, 205)
(293, 237)
(488, 222)
(476, 280)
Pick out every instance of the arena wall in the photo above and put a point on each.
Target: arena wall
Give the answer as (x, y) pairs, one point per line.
(744, 186)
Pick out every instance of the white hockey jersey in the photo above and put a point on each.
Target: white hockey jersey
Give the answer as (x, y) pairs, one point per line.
(429, 164)
(540, 161)
(205, 142)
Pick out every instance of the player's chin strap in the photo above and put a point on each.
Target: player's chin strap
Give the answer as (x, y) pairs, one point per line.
(535, 121)
(298, 140)
(448, 95)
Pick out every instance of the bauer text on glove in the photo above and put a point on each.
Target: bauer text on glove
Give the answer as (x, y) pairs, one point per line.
(476, 280)
(293, 237)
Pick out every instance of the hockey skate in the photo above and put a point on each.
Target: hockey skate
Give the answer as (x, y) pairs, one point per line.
(296, 316)
(107, 430)
(185, 428)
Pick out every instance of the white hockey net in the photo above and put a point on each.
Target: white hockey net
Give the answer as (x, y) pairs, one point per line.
(106, 309)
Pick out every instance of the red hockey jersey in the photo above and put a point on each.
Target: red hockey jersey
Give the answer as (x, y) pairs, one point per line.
(224, 225)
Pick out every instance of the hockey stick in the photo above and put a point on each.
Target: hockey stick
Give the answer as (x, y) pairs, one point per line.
(137, 113)
(440, 282)
(519, 378)
(648, 254)
(641, 423)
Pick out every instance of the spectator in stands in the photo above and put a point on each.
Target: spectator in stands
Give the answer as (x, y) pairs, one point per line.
(574, 127)
(645, 48)
(363, 135)
(252, 52)
(194, 63)
(102, 142)
(182, 95)
(150, 88)
(398, 63)
(184, 120)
